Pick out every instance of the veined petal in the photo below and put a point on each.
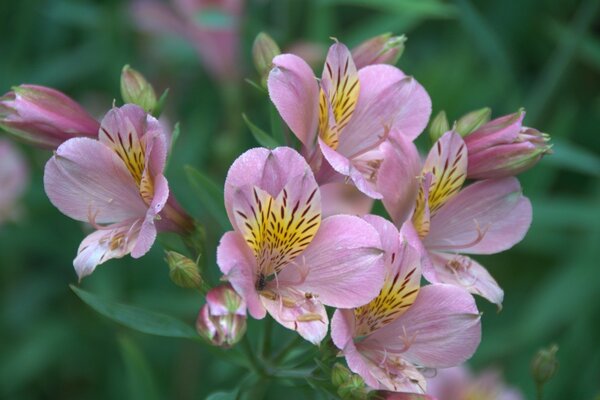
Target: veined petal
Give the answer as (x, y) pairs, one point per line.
(269, 170)
(465, 272)
(343, 266)
(87, 181)
(237, 263)
(148, 231)
(441, 329)
(294, 90)
(421, 218)
(484, 218)
(340, 87)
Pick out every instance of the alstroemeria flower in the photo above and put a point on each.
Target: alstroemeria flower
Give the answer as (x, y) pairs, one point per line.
(14, 176)
(406, 328)
(348, 114)
(485, 217)
(116, 183)
(285, 259)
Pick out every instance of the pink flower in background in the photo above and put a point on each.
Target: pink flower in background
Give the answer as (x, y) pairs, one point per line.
(485, 217)
(348, 114)
(285, 259)
(406, 328)
(115, 183)
(44, 117)
(459, 383)
(222, 320)
(14, 177)
(212, 27)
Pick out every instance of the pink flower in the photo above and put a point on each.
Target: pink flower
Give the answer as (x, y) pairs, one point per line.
(44, 117)
(285, 259)
(504, 147)
(458, 383)
(212, 27)
(485, 217)
(14, 177)
(222, 320)
(381, 49)
(407, 328)
(349, 114)
(115, 183)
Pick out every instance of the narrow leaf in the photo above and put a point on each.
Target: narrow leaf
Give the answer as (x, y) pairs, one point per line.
(209, 194)
(262, 137)
(142, 384)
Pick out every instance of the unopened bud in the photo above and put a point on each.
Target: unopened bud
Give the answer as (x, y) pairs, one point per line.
(438, 126)
(44, 117)
(472, 121)
(382, 49)
(353, 389)
(183, 271)
(136, 89)
(222, 320)
(264, 50)
(544, 364)
(340, 374)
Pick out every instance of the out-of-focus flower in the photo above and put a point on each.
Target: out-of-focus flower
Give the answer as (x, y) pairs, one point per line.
(504, 147)
(14, 177)
(212, 27)
(183, 271)
(264, 50)
(382, 49)
(348, 115)
(313, 53)
(343, 198)
(485, 217)
(135, 89)
(459, 383)
(222, 320)
(115, 183)
(285, 259)
(407, 328)
(44, 117)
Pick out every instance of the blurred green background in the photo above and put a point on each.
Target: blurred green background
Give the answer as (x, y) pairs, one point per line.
(543, 55)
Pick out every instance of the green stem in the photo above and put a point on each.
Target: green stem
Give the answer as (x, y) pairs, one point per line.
(266, 346)
(539, 391)
(286, 349)
(252, 359)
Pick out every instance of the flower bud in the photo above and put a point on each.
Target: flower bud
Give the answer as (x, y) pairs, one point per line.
(340, 374)
(544, 364)
(382, 49)
(503, 147)
(438, 126)
(183, 271)
(264, 50)
(473, 120)
(222, 320)
(353, 389)
(136, 89)
(44, 117)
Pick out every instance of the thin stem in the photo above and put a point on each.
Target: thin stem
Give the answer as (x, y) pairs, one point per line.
(286, 349)
(538, 391)
(254, 362)
(266, 346)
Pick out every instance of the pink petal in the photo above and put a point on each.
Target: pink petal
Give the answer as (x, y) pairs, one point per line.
(342, 198)
(387, 100)
(14, 177)
(442, 328)
(120, 122)
(148, 230)
(237, 263)
(498, 131)
(342, 266)
(86, 180)
(400, 168)
(294, 91)
(464, 272)
(485, 218)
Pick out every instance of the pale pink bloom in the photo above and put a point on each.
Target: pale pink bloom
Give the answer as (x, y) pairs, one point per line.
(343, 198)
(116, 183)
(14, 177)
(348, 114)
(44, 117)
(485, 217)
(285, 259)
(407, 329)
(212, 27)
(504, 147)
(222, 320)
(458, 383)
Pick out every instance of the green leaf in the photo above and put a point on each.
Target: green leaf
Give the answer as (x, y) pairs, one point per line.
(137, 318)
(209, 194)
(160, 104)
(142, 384)
(262, 137)
(430, 8)
(223, 395)
(174, 137)
(571, 157)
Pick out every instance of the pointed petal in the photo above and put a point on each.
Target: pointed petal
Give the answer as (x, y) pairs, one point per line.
(342, 198)
(421, 218)
(400, 168)
(239, 267)
(485, 218)
(343, 265)
(147, 234)
(441, 329)
(294, 90)
(86, 180)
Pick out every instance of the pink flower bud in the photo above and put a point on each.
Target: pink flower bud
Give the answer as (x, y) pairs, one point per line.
(44, 117)
(504, 147)
(382, 49)
(136, 89)
(14, 177)
(222, 320)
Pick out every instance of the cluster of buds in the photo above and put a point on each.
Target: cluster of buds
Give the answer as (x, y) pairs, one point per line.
(222, 320)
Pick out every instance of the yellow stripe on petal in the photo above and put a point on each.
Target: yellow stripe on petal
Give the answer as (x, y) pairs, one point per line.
(277, 230)
(131, 151)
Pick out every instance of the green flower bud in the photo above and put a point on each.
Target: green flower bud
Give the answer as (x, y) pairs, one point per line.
(136, 89)
(183, 271)
(473, 120)
(438, 126)
(544, 365)
(263, 52)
